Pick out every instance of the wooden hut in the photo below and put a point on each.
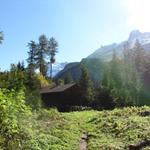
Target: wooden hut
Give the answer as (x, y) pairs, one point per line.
(62, 96)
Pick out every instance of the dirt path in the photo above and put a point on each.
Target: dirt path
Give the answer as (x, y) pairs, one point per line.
(83, 142)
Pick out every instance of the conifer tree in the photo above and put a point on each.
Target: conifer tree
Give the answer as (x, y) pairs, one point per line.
(1, 37)
(41, 51)
(52, 50)
(31, 58)
(86, 87)
(16, 77)
(68, 78)
(20, 66)
(139, 57)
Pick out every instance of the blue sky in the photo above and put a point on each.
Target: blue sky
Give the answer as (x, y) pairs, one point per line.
(79, 26)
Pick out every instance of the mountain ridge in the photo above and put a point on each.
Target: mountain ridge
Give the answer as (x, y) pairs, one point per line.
(105, 54)
(106, 51)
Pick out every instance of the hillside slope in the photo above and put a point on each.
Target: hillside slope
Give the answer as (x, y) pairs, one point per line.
(74, 69)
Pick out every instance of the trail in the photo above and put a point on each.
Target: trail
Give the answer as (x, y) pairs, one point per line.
(83, 142)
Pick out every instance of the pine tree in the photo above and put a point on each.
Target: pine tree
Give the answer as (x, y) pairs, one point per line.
(86, 87)
(20, 66)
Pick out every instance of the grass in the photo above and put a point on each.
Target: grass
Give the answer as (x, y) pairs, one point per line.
(107, 130)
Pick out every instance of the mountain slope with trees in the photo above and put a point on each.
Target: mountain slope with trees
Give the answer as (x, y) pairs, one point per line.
(126, 76)
(105, 53)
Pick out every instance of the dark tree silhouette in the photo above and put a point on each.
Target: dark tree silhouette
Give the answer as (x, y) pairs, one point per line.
(1, 37)
(31, 59)
(86, 87)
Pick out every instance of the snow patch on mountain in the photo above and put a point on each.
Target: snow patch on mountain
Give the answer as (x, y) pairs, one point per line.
(57, 67)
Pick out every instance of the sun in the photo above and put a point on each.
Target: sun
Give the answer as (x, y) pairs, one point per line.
(138, 14)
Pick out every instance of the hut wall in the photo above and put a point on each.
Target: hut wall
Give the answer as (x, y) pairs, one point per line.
(62, 100)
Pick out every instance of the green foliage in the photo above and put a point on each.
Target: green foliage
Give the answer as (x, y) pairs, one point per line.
(31, 58)
(86, 87)
(16, 77)
(19, 78)
(42, 80)
(127, 78)
(33, 98)
(139, 57)
(44, 114)
(38, 54)
(52, 50)
(103, 99)
(123, 80)
(12, 110)
(42, 47)
(4, 79)
(115, 129)
(33, 86)
(48, 129)
(95, 69)
(68, 78)
(118, 129)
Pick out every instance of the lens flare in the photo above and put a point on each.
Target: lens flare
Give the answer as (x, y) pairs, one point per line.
(139, 14)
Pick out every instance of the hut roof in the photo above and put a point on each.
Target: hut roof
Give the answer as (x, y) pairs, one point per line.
(56, 89)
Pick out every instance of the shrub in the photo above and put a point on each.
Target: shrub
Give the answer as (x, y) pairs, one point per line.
(51, 114)
(12, 110)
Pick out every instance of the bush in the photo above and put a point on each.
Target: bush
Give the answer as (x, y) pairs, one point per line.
(33, 99)
(12, 110)
(44, 114)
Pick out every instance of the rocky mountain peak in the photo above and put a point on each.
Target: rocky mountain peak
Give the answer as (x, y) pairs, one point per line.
(142, 37)
(106, 51)
(135, 34)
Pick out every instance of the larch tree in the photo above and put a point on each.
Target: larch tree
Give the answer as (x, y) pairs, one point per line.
(31, 57)
(1, 37)
(52, 50)
(41, 51)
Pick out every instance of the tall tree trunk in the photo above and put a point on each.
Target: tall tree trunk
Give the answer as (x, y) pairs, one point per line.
(41, 68)
(51, 70)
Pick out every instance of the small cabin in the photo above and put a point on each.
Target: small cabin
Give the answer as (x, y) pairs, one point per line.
(62, 96)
